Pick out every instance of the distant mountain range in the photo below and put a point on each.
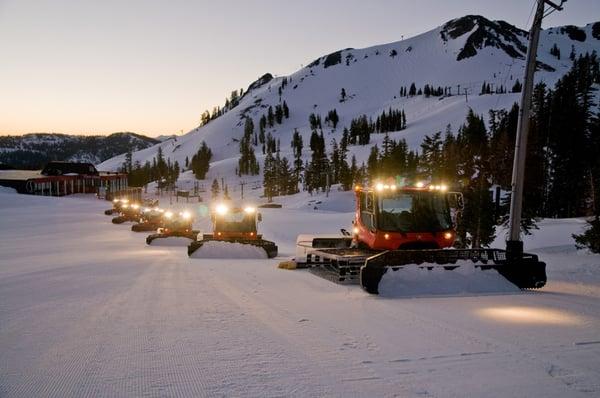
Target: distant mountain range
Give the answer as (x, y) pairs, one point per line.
(32, 151)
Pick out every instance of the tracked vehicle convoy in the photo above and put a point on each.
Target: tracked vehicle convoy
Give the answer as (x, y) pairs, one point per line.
(235, 225)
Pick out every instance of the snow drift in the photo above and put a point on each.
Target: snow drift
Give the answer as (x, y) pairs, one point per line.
(417, 281)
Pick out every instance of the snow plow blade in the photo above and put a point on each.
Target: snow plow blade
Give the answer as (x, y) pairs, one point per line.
(269, 247)
(119, 220)
(190, 235)
(144, 227)
(526, 273)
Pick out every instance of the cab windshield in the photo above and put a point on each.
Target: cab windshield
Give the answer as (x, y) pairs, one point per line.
(236, 222)
(414, 212)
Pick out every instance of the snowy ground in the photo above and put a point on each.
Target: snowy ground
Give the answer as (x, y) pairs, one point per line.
(87, 309)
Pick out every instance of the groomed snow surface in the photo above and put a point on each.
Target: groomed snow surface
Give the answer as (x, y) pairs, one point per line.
(88, 309)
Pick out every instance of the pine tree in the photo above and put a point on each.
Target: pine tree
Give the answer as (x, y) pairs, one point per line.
(201, 161)
(262, 124)
(214, 189)
(332, 118)
(128, 165)
(517, 87)
(412, 91)
(278, 114)
(286, 110)
(315, 174)
(555, 51)
(297, 145)
(373, 163)
(270, 116)
(247, 163)
(431, 156)
(478, 215)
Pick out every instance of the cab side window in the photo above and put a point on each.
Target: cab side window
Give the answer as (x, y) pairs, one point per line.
(367, 210)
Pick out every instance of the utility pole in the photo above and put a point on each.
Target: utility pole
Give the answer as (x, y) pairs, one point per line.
(514, 244)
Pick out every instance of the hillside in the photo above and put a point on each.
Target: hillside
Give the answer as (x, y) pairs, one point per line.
(32, 151)
(459, 56)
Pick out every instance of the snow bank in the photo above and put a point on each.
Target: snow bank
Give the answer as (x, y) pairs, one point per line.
(464, 280)
(7, 190)
(229, 250)
(552, 233)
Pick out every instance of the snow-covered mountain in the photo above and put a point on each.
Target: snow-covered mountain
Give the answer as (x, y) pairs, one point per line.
(34, 150)
(459, 56)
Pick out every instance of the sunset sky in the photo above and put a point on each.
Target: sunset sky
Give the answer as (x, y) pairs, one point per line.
(152, 67)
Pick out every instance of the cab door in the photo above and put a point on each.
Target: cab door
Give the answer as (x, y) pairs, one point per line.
(368, 220)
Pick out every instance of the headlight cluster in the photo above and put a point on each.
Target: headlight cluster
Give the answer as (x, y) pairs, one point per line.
(442, 188)
(221, 209)
(384, 187)
(380, 187)
(186, 215)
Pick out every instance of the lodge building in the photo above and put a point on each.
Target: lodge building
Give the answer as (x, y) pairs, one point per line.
(64, 178)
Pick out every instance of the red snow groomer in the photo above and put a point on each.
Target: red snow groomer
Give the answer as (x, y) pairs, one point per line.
(395, 227)
(235, 225)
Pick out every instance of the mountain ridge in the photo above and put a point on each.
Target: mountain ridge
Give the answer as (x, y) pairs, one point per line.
(490, 52)
(35, 149)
